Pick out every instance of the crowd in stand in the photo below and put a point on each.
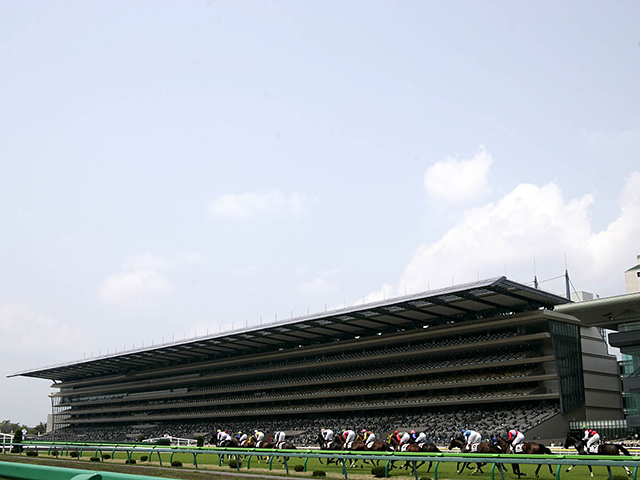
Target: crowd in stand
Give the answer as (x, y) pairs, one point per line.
(439, 425)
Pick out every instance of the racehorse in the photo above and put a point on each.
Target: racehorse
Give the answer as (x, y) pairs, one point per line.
(483, 447)
(252, 443)
(528, 448)
(602, 449)
(228, 443)
(426, 447)
(335, 444)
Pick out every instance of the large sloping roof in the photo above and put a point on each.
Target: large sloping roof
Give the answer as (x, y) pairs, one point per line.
(609, 312)
(496, 296)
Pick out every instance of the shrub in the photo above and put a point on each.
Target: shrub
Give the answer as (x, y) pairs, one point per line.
(73, 454)
(425, 478)
(54, 452)
(299, 468)
(144, 458)
(319, 473)
(176, 463)
(17, 438)
(234, 464)
(141, 438)
(32, 453)
(106, 456)
(130, 462)
(94, 459)
(163, 441)
(378, 472)
(200, 441)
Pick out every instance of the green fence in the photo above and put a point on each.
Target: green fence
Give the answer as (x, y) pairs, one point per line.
(496, 460)
(26, 471)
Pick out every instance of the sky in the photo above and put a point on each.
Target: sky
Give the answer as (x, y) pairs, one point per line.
(169, 169)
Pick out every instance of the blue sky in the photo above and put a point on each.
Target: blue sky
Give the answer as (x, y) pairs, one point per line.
(173, 167)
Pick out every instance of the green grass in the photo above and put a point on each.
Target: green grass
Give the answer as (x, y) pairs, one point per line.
(209, 463)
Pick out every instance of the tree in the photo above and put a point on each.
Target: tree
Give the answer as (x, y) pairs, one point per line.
(7, 426)
(39, 429)
(17, 438)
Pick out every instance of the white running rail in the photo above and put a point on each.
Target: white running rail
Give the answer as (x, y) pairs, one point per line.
(187, 442)
(5, 440)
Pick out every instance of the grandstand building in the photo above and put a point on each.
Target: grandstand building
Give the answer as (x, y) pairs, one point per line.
(491, 354)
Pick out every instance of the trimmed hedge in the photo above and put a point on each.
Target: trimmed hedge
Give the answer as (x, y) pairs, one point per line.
(106, 456)
(130, 462)
(200, 441)
(299, 468)
(378, 472)
(234, 464)
(176, 463)
(32, 453)
(144, 458)
(319, 473)
(73, 454)
(94, 459)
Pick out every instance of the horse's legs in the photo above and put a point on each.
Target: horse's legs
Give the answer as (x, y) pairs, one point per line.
(429, 467)
(516, 469)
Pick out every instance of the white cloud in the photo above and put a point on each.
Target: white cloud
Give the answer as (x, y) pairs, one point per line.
(137, 286)
(243, 206)
(181, 259)
(610, 139)
(316, 286)
(387, 291)
(531, 222)
(457, 182)
(145, 277)
(23, 329)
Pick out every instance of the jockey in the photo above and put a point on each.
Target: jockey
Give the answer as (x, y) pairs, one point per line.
(413, 436)
(348, 436)
(242, 437)
(327, 436)
(259, 437)
(279, 436)
(404, 438)
(368, 437)
(472, 437)
(421, 438)
(219, 436)
(397, 436)
(591, 437)
(223, 437)
(515, 437)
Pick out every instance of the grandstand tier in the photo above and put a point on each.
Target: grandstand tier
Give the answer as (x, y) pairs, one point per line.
(426, 360)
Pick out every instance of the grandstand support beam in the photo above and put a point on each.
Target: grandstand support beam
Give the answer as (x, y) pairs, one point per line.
(360, 316)
(533, 304)
(441, 319)
(499, 308)
(387, 313)
(442, 303)
(326, 327)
